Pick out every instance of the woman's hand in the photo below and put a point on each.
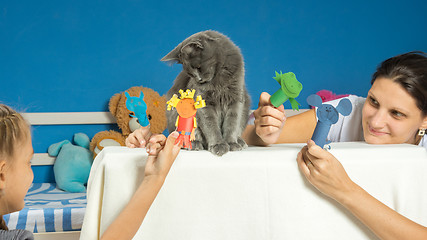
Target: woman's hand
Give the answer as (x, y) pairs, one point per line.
(269, 120)
(324, 172)
(162, 153)
(138, 138)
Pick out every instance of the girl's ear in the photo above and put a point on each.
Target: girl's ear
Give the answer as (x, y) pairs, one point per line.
(2, 174)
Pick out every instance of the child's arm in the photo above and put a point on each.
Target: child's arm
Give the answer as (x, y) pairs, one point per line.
(157, 167)
(272, 126)
(327, 174)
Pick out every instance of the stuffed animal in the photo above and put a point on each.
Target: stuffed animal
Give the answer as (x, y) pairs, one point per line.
(126, 120)
(72, 164)
(327, 115)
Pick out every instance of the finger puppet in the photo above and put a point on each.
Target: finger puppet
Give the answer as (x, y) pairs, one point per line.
(213, 65)
(327, 115)
(290, 88)
(138, 106)
(72, 164)
(186, 122)
(155, 113)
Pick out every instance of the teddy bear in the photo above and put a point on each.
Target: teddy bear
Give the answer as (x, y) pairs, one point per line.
(72, 164)
(127, 123)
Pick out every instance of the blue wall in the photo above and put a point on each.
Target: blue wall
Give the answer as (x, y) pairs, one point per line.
(74, 55)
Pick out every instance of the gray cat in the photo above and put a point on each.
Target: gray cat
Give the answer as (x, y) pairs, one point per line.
(213, 66)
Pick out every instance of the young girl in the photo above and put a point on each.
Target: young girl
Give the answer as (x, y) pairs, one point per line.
(16, 176)
(395, 111)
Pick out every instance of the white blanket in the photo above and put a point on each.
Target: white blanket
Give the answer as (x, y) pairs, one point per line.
(257, 193)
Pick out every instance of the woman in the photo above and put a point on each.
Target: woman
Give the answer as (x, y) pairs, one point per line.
(395, 111)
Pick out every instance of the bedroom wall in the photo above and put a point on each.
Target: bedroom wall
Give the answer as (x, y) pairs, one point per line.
(74, 55)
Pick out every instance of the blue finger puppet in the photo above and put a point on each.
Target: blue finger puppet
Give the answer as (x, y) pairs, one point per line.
(327, 115)
(138, 106)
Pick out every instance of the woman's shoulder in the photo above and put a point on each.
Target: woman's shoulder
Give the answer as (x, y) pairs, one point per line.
(423, 142)
(17, 234)
(348, 128)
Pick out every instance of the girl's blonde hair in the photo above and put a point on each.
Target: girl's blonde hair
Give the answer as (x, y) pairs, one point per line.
(14, 130)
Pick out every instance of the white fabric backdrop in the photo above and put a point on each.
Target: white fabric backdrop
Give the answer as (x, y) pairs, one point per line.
(257, 193)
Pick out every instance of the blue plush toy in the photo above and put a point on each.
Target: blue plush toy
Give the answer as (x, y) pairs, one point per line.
(327, 115)
(72, 164)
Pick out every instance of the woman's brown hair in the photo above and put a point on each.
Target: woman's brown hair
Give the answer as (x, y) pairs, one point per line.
(410, 71)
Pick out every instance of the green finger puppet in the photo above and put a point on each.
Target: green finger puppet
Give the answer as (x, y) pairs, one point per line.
(289, 89)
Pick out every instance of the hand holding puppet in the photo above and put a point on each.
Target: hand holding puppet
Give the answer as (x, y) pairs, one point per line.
(149, 107)
(327, 115)
(186, 121)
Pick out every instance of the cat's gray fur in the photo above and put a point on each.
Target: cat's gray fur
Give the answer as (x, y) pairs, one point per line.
(213, 66)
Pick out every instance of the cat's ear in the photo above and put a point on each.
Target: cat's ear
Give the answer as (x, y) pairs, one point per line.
(173, 56)
(191, 46)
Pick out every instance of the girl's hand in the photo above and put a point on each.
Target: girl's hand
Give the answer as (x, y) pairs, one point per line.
(324, 171)
(269, 120)
(138, 138)
(164, 154)
(155, 144)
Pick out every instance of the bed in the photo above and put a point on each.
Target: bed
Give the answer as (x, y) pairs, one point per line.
(49, 209)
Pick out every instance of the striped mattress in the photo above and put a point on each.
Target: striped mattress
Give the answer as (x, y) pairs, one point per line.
(49, 209)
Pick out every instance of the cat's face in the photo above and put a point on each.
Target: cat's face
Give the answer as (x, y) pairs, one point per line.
(198, 63)
(198, 56)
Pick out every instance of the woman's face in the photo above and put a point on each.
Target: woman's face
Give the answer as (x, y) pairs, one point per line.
(390, 115)
(18, 177)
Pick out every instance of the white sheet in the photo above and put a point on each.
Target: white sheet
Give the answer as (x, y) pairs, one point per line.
(257, 193)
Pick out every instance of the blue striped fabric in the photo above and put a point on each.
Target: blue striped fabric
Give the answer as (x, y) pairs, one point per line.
(48, 209)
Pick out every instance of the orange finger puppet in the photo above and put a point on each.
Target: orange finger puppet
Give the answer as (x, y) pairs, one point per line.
(186, 122)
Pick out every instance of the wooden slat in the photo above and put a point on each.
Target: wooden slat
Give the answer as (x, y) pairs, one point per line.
(290, 112)
(75, 235)
(67, 118)
(40, 159)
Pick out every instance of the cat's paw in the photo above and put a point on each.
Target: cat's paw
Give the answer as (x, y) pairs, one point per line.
(237, 146)
(219, 149)
(197, 145)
